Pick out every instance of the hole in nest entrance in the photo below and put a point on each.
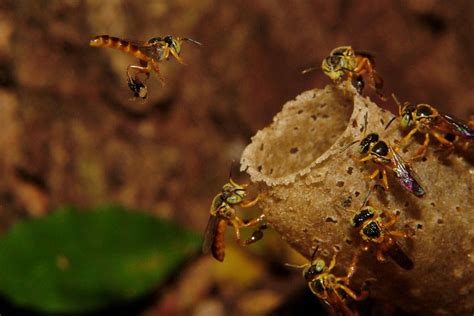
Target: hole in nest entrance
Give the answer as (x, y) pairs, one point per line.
(312, 137)
(331, 219)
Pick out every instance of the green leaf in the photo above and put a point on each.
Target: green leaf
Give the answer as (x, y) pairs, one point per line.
(75, 261)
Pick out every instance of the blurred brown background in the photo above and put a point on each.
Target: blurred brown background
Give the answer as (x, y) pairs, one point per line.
(70, 135)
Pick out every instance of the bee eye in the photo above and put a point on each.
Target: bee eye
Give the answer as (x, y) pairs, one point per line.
(168, 40)
(233, 199)
(406, 121)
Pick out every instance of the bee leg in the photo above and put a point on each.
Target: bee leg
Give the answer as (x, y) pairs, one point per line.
(250, 202)
(384, 179)
(350, 271)
(408, 136)
(352, 267)
(358, 83)
(237, 227)
(374, 174)
(380, 255)
(332, 264)
(366, 247)
(378, 84)
(254, 221)
(256, 236)
(175, 55)
(422, 150)
(156, 68)
(441, 139)
(399, 233)
(392, 219)
(138, 69)
(362, 296)
(366, 158)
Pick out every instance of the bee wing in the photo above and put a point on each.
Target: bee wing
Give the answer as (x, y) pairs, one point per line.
(136, 43)
(210, 234)
(336, 306)
(455, 126)
(369, 55)
(406, 175)
(399, 256)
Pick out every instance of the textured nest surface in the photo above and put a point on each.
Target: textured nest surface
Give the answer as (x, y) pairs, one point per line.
(312, 183)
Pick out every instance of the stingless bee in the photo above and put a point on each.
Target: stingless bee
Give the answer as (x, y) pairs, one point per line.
(345, 61)
(223, 214)
(386, 157)
(330, 289)
(149, 53)
(425, 119)
(374, 232)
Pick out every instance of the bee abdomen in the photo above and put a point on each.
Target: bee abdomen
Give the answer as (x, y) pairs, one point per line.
(113, 42)
(218, 246)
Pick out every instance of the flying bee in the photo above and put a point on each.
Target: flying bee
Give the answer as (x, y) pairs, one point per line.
(386, 157)
(425, 119)
(333, 291)
(149, 53)
(374, 231)
(344, 61)
(223, 214)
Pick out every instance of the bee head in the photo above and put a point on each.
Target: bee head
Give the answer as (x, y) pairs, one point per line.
(362, 215)
(316, 267)
(331, 66)
(407, 116)
(367, 141)
(173, 42)
(233, 193)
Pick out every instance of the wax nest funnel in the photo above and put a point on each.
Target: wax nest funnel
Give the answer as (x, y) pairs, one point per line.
(312, 183)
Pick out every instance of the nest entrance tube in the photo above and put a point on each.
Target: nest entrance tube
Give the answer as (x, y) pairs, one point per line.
(312, 182)
(300, 135)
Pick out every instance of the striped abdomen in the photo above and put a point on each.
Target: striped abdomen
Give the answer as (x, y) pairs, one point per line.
(218, 245)
(117, 43)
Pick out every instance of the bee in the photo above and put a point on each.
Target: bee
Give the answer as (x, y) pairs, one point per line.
(223, 214)
(425, 119)
(386, 157)
(374, 231)
(149, 53)
(333, 291)
(345, 61)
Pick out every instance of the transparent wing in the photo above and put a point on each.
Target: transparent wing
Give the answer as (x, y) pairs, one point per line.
(406, 175)
(210, 234)
(154, 51)
(335, 305)
(450, 124)
(369, 55)
(399, 256)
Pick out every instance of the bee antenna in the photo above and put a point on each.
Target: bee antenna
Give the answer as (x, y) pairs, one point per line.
(366, 122)
(390, 122)
(394, 97)
(349, 145)
(192, 41)
(366, 199)
(308, 70)
(314, 253)
(231, 167)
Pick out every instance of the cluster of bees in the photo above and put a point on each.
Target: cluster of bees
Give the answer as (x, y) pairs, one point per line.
(353, 67)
